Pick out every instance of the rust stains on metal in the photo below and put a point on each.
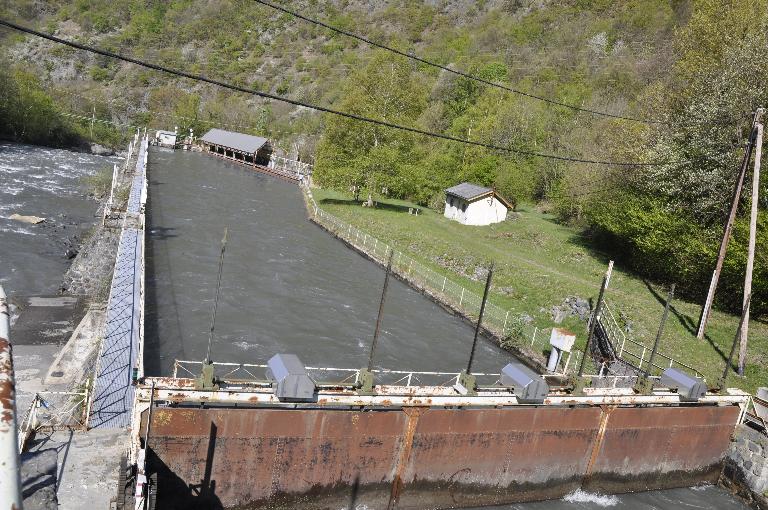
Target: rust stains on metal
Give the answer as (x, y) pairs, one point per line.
(426, 457)
(7, 388)
(604, 416)
(662, 447)
(413, 414)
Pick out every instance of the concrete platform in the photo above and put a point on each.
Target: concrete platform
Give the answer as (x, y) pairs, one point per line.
(45, 319)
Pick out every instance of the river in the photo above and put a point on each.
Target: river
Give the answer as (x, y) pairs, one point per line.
(43, 182)
(287, 286)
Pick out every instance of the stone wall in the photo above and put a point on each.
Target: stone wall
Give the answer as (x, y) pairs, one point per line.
(746, 466)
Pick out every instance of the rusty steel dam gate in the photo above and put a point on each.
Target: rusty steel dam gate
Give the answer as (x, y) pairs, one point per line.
(237, 445)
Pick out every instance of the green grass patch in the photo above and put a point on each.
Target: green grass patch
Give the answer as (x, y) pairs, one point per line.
(539, 263)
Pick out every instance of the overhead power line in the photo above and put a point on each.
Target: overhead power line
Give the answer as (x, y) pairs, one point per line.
(454, 71)
(267, 95)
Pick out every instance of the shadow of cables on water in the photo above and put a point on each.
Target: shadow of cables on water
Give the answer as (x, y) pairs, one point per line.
(174, 493)
(379, 205)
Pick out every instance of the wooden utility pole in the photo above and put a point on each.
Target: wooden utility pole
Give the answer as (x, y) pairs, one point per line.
(751, 249)
(707, 308)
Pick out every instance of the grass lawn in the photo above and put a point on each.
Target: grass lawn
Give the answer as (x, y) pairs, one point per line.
(539, 263)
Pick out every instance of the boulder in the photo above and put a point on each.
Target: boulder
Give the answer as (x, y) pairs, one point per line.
(34, 220)
(100, 150)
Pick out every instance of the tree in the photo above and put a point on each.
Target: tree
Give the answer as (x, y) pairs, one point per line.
(357, 154)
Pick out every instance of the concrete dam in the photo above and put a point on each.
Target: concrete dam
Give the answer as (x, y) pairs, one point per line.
(242, 432)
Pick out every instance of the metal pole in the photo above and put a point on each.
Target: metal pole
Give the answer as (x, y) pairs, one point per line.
(735, 342)
(381, 311)
(10, 472)
(595, 317)
(707, 308)
(751, 248)
(661, 329)
(480, 318)
(216, 300)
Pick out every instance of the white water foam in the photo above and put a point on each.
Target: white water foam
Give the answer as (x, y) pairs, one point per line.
(245, 345)
(580, 496)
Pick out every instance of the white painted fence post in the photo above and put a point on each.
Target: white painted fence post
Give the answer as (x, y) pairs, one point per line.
(445, 278)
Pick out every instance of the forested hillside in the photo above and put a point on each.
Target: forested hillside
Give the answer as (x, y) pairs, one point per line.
(686, 75)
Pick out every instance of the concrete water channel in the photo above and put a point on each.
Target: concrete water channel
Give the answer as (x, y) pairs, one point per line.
(287, 286)
(327, 327)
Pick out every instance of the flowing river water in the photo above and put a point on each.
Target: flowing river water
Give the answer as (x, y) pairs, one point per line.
(287, 286)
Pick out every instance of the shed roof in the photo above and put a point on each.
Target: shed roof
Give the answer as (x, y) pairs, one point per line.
(471, 192)
(239, 141)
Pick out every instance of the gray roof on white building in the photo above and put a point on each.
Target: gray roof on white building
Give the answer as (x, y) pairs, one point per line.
(239, 141)
(468, 191)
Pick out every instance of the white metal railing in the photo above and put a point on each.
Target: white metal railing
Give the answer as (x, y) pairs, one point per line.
(290, 166)
(54, 410)
(637, 353)
(504, 323)
(329, 375)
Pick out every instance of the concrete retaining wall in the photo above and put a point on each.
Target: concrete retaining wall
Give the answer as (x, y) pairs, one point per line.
(746, 466)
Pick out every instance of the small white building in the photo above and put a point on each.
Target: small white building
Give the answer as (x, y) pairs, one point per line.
(166, 138)
(470, 204)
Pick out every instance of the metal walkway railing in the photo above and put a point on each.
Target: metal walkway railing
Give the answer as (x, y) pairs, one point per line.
(112, 399)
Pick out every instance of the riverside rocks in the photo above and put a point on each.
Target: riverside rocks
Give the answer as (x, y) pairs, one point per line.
(571, 306)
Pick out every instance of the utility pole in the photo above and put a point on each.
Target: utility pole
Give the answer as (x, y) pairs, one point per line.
(707, 308)
(752, 236)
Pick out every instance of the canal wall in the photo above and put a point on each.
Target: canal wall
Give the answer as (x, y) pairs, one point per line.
(427, 457)
(746, 466)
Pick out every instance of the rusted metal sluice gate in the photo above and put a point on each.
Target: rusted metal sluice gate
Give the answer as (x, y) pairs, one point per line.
(239, 444)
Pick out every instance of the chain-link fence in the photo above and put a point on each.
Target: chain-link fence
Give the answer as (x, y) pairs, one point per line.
(510, 328)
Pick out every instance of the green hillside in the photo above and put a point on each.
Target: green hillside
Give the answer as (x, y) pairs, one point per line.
(677, 78)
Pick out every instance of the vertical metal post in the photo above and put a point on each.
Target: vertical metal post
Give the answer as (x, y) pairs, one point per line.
(10, 469)
(661, 329)
(595, 316)
(480, 319)
(381, 311)
(216, 300)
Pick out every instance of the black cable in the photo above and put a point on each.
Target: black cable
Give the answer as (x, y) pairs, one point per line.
(459, 73)
(294, 102)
